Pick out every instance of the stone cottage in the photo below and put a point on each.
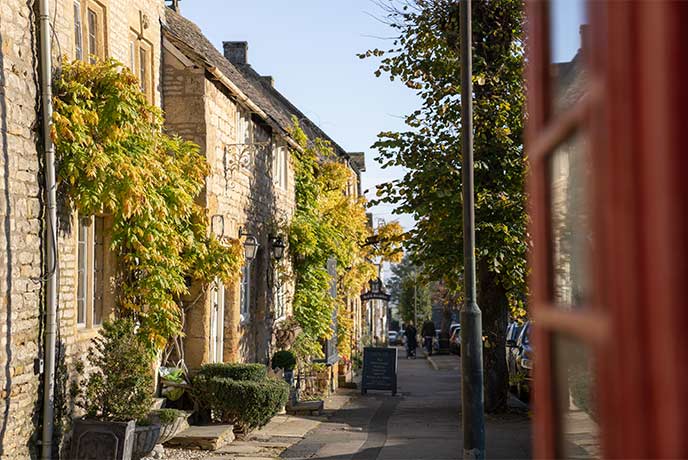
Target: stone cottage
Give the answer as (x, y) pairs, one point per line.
(240, 122)
(129, 32)
(243, 124)
(249, 193)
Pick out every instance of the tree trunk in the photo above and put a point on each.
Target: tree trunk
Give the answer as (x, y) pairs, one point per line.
(493, 302)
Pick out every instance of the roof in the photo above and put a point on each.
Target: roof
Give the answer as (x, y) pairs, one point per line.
(309, 127)
(189, 39)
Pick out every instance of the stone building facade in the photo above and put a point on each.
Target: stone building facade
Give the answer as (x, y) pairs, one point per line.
(129, 32)
(241, 123)
(250, 190)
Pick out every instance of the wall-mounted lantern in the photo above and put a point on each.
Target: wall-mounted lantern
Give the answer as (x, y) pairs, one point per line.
(250, 246)
(277, 247)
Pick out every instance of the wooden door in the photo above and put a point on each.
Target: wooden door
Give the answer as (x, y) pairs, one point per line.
(609, 224)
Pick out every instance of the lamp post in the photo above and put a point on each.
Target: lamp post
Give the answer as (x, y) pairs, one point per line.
(472, 415)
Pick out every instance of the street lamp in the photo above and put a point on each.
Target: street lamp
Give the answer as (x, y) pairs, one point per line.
(472, 409)
(250, 246)
(277, 247)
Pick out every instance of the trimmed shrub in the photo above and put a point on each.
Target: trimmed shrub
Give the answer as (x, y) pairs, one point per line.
(284, 359)
(235, 371)
(247, 404)
(120, 388)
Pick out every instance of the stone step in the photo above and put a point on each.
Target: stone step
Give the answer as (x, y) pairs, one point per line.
(306, 408)
(207, 437)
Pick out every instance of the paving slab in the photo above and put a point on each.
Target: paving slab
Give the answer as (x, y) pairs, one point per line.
(423, 422)
(208, 437)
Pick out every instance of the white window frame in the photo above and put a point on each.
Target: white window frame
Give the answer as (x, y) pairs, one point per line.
(78, 32)
(91, 283)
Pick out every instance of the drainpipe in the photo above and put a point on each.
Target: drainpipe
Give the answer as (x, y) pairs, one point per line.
(51, 237)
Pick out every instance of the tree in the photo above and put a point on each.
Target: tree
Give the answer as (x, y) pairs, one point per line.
(425, 57)
(410, 292)
(330, 224)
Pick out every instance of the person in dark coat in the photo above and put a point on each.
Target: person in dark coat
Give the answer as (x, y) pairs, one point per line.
(428, 332)
(411, 340)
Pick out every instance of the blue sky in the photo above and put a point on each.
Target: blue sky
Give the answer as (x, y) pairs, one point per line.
(309, 47)
(565, 21)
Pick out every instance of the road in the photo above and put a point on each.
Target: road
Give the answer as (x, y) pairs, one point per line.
(421, 423)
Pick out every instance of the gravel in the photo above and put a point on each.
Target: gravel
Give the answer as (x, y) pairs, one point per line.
(168, 453)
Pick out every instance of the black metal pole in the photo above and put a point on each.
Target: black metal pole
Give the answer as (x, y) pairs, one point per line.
(472, 416)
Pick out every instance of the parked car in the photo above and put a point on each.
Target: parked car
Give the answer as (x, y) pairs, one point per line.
(455, 341)
(453, 327)
(522, 377)
(392, 337)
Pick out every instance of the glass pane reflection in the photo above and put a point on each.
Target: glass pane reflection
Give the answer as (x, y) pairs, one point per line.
(575, 392)
(570, 231)
(567, 38)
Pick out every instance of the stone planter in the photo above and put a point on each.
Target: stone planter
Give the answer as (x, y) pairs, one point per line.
(96, 439)
(170, 430)
(145, 439)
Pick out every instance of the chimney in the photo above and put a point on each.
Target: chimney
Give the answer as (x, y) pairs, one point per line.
(268, 80)
(236, 52)
(174, 5)
(584, 39)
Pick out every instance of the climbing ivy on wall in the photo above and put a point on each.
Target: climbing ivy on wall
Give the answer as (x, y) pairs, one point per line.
(114, 158)
(329, 223)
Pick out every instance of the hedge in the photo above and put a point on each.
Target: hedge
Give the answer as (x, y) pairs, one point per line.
(246, 404)
(235, 371)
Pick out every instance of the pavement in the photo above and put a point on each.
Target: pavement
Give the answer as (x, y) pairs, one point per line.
(421, 423)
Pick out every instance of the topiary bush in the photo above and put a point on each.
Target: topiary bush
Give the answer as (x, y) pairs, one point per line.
(284, 359)
(235, 371)
(246, 404)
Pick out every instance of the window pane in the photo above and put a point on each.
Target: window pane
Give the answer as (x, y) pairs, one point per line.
(81, 274)
(92, 35)
(285, 167)
(98, 270)
(571, 236)
(78, 41)
(132, 57)
(143, 67)
(575, 393)
(567, 20)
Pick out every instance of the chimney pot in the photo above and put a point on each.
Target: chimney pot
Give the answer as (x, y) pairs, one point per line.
(236, 52)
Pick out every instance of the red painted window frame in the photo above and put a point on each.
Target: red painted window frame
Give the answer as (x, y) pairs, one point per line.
(635, 119)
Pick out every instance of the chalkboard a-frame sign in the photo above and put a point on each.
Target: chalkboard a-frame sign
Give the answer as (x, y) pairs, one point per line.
(379, 369)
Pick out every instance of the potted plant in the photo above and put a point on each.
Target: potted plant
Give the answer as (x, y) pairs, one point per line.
(115, 394)
(171, 421)
(285, 360)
